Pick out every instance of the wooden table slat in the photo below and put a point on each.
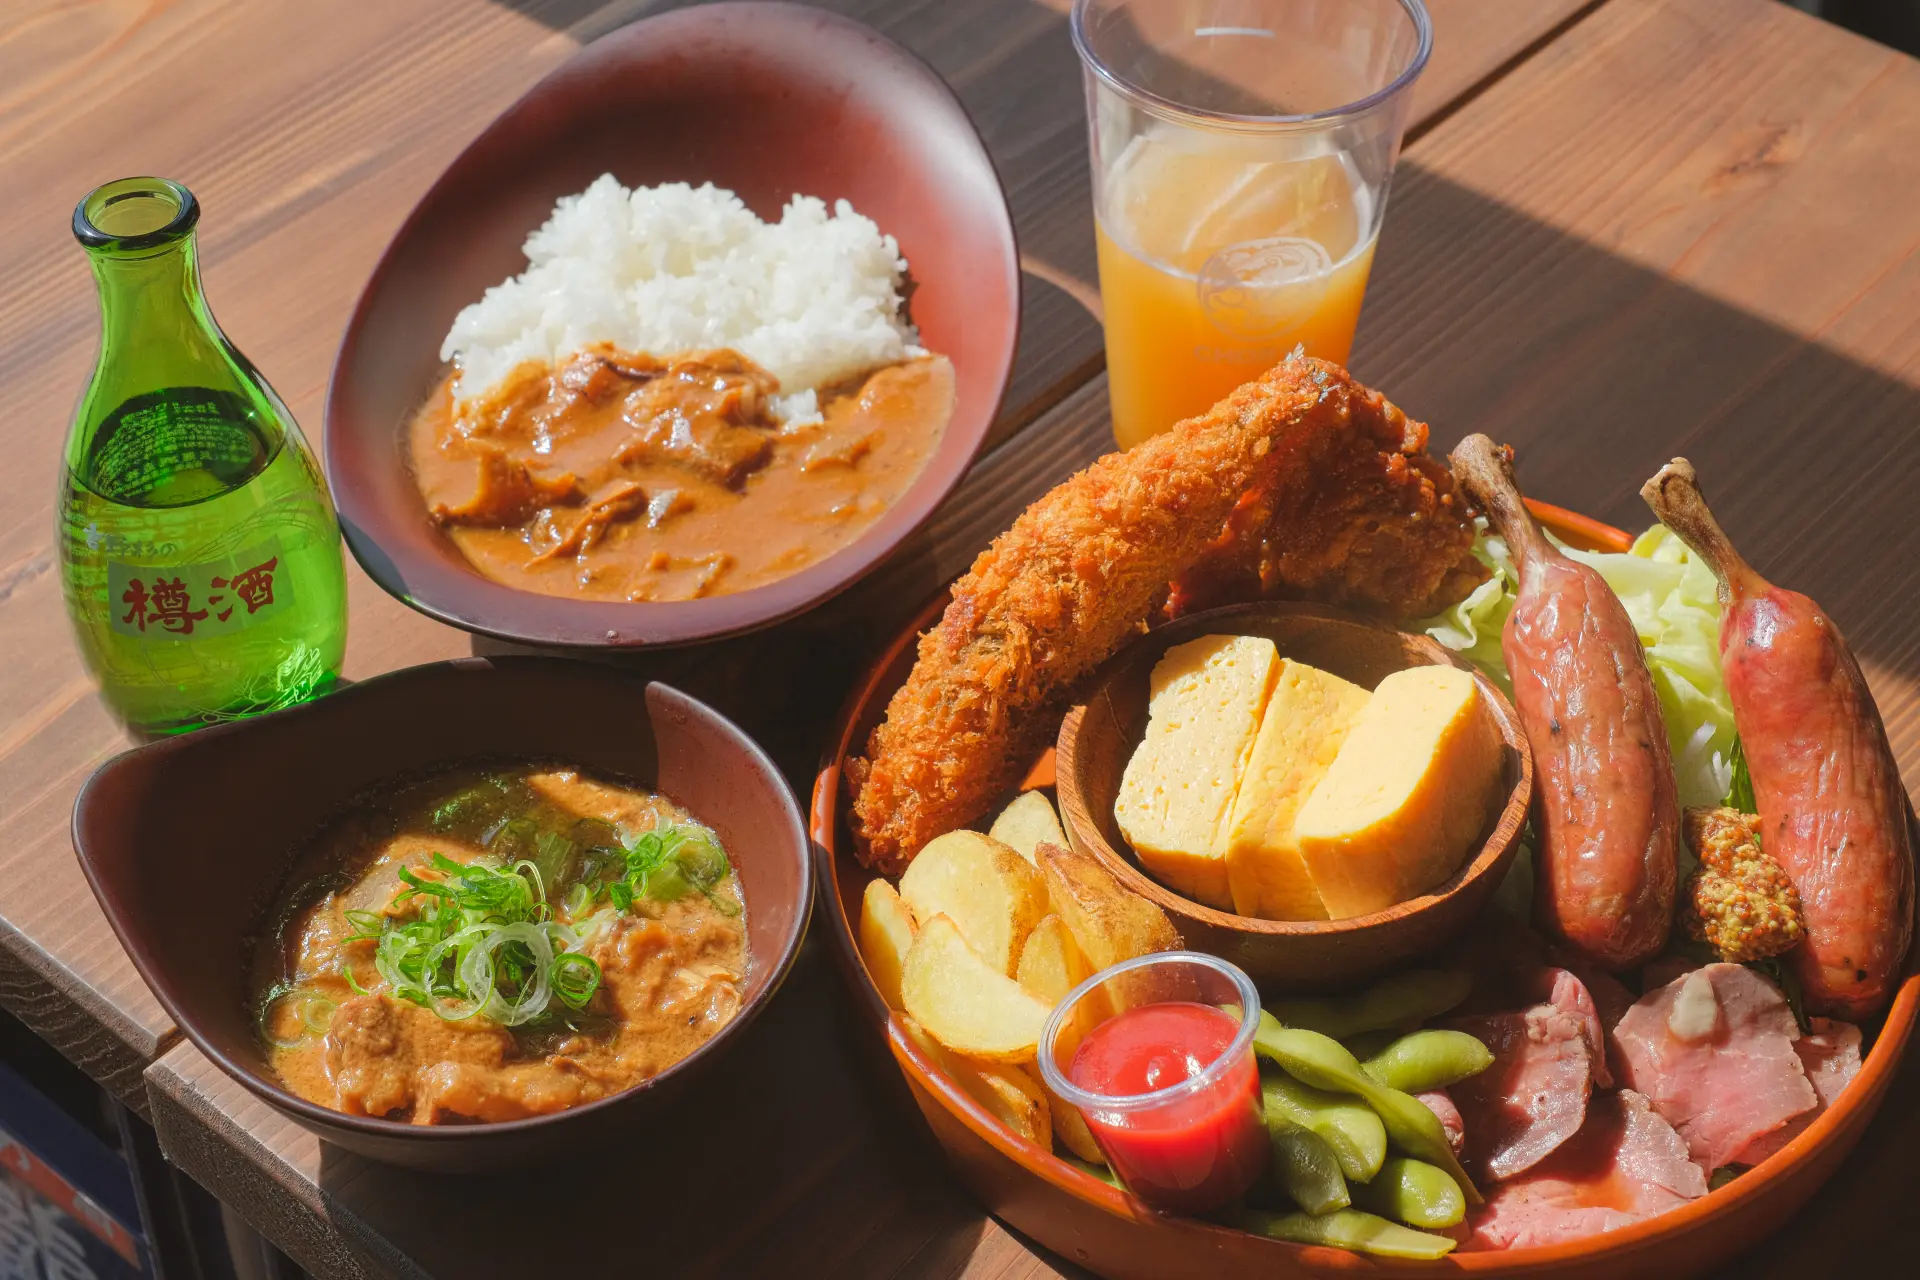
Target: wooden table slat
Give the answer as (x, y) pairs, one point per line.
(1653, 225)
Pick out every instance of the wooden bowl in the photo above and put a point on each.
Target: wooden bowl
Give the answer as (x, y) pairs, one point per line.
(1098, 737)
(187, 841)
(1096, 1225)
(767, 100)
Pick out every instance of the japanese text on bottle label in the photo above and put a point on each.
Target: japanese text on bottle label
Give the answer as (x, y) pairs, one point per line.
(177, 602)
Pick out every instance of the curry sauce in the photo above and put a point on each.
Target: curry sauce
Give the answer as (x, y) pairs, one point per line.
(672, 962)
(621, 476)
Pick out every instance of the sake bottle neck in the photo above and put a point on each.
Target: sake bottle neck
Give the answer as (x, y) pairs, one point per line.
(155, 327)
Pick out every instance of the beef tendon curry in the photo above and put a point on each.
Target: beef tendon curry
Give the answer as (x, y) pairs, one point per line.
(498, 944)
(621, 476)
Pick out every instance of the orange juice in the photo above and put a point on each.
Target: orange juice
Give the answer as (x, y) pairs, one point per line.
(1217, 258)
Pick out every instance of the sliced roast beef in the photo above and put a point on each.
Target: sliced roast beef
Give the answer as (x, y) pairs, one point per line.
(1626, 1164)
(1831, 1059)
(1534, 1096)
(1568, 993)
(1440, 1102)
(1610, 995)
(1714, 1052)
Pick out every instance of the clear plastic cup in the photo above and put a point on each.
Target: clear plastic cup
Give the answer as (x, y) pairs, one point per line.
(1192, 1145)
(1241, 154)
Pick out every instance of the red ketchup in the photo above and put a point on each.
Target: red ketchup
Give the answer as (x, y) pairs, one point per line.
(1198, 1150)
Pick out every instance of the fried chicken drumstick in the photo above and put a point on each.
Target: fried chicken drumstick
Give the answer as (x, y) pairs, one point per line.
(1301, 481)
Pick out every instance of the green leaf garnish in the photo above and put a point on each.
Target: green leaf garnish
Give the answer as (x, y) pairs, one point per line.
(1740, 793)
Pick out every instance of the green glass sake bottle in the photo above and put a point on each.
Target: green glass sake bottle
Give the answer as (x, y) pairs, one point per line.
(199, 550)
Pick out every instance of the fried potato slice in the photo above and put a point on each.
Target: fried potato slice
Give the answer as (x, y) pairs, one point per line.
(1026, 823)
(992, 894)
(1070, 1129)
(1009, 1093)
(1051, 965)
(1109, 921)
(963, 1003)
(886, 932)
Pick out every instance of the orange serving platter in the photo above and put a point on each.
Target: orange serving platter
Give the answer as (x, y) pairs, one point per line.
(1100, 1227)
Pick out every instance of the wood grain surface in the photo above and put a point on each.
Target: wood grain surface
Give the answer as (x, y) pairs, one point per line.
(308, 131)
(1652, 227)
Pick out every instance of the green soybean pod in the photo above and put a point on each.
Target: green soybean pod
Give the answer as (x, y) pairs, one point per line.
(1400, 1001)
(1306, 1168)
(1414, 1192)
(1324, 1063)
(1427, 1060)
(1355, 1134)
(1350, 1229)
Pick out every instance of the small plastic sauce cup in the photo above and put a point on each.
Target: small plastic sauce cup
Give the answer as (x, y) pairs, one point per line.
(1157, 1054)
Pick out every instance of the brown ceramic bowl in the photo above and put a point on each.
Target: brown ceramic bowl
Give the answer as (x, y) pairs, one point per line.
(1102, 1228)
(186, 843)
(768, 100)
(1098, 737)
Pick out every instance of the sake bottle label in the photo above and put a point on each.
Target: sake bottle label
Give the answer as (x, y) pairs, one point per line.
(159, 601)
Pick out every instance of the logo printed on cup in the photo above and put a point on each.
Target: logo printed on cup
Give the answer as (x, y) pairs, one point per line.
(1263, 290)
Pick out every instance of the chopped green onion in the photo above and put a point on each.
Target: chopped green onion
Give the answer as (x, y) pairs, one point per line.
(317, 1014)
(366, 924)
(575, 978)
(703, 863)
(480, 938)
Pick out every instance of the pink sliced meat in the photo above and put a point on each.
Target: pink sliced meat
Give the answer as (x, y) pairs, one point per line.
(1626, 1164)
(1440, 1102)
(1831, 1058)
(1534, 1096)
(1566, 992)
(1714, 1052)
(1513, 968)
(1610, 995)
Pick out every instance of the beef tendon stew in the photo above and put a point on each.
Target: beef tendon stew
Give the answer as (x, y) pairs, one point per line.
(492, 945)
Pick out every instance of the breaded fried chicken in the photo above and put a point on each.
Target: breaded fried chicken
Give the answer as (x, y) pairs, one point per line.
(1082, 568)
(1364, 518)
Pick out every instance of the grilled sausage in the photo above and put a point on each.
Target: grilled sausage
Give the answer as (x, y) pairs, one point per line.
(1832, 810)
(1605, 809)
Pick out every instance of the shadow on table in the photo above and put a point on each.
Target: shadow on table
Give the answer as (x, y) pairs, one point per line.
(1810, 458)
(1550, 343)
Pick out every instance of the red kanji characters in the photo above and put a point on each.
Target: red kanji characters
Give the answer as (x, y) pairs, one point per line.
(254, 587)
(173, 607)
(136, 595)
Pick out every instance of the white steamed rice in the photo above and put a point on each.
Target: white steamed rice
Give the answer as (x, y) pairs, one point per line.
(813, 298)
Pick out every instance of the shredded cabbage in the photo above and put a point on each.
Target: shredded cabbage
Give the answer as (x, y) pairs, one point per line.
(1671, 598)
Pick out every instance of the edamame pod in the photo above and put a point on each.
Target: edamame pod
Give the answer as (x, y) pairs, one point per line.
(1306, 1168)
(1412, 1191)
(1351, 1129)
(1350, 1229)
(1324, 1063)
(1428, 1060)
(1400, 1001)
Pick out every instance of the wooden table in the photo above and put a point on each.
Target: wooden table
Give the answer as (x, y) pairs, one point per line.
(1621, 230)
